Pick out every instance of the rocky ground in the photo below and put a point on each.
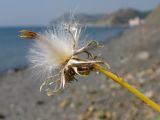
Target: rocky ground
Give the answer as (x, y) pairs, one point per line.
(135, 56)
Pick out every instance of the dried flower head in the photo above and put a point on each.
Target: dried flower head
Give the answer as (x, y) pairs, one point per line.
(58, 50)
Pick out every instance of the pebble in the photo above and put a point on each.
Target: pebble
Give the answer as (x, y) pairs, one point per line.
(114, 86)
(40, 102)
(149, 94)
(87, 114)
(104, 115)
(141, 74)
(100, 115)
(103, 86)
(141, 81)
(65, 103)
(143, 55)
(125, 59)
(158, 71)
(128, 77)
(2, 117)
(84, 88)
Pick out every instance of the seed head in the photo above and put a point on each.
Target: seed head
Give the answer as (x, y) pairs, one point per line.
(56, 56)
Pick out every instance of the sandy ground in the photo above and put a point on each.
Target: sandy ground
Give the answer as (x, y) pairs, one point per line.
(135, 56)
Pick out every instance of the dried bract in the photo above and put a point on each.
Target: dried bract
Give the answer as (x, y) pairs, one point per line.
(58, 50)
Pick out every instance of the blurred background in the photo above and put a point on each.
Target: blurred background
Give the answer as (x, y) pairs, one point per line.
(129, 29)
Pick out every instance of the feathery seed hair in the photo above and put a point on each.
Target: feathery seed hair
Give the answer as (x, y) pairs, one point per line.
(58, 50)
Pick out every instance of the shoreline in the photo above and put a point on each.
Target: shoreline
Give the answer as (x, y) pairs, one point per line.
(134, 56)
(13, 70)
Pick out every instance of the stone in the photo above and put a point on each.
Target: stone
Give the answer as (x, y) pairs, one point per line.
(143, 55)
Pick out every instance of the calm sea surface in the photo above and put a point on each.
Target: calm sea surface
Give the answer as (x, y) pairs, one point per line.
(13, 50)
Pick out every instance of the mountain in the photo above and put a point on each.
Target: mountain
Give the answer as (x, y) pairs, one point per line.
(120, 17)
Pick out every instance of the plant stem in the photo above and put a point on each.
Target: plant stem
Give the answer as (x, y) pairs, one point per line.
(124, 84)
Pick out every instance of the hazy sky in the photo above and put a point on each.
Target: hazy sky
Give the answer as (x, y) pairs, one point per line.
(40, 12)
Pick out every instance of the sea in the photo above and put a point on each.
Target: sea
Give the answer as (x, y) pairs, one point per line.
(13, 49)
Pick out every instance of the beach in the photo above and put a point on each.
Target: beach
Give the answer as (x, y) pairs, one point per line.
(134, 55)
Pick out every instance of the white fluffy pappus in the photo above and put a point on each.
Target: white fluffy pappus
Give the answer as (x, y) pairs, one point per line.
(52, 49)
(55, 56)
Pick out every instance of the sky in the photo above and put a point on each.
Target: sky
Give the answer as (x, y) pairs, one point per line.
(41, 12)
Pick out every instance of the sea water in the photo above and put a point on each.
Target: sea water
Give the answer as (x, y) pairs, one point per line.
(13, 49)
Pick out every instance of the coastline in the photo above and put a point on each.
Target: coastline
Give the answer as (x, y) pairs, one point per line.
(134, 56)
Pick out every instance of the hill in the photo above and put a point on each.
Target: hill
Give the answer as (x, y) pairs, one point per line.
(119, 17)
